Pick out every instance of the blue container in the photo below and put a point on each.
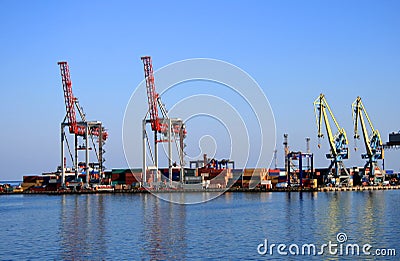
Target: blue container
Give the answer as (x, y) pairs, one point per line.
(282, 179)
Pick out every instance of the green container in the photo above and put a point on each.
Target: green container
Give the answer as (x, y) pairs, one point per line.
(190, 172)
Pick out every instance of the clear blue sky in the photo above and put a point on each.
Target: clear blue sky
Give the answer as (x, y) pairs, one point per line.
(293, 49)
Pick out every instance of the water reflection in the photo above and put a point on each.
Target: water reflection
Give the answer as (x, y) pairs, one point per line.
(82, 227)
(371, 217)
(333, 224)
(299, 216)
(360, 215)
(164, 229)
(141, 226)
(187, 197)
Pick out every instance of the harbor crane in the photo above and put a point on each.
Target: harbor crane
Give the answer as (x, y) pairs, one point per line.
(338, 142)
(79, 129)
(165, 129)
(372, 141)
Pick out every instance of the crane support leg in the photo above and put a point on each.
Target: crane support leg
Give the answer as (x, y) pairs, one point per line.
(76, 157)
(156, 149)
(87, 156)
(101, 172)
(170, 152)
(144, 152)
(62, 157)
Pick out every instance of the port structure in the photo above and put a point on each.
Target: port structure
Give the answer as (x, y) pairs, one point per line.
(165, 130)
(211, 163)
(338, 142)
(372, 140)
(394, 141)
(301, 165)
(82, 131)
(286, 151)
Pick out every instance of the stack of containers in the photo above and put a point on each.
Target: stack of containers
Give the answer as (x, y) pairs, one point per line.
(54, 182)
(221, 179)
(282, 177)
(273, 176)
(175, 174)
(260, 174)
(133, 176)
(118, 176)
(236, 178)
(247, 174)
(137, 174)
(191, 177)
(126, 176)
(214, 178)
(252, 177)
(29, 181)
(190, 172)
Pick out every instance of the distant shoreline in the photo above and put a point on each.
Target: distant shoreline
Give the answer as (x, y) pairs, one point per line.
(134, 191)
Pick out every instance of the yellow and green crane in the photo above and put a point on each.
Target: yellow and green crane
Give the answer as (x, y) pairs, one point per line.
(372, 140)
(338, 142)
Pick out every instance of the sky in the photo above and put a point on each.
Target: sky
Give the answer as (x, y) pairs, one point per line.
(294, 50)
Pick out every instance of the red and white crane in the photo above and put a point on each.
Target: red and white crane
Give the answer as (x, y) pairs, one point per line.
(171, 129)
(83, 128)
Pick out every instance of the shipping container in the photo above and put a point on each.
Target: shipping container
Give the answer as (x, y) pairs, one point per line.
(115, 176)
(137, 170)
(237, 173)
(29, 179)
(394, 138)
(282, 179)
(190, 178)
(27, 185)
(190, 172)
(261, 172)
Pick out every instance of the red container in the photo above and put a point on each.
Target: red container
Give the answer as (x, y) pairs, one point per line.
(114, 176)
(38, 189)
(30, 179)
(131, 179)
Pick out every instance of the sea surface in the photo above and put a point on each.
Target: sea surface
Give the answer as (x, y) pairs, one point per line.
(233, 226)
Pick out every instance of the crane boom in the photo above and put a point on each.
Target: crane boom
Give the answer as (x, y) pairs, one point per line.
(372, 141)
(68, 97)
(152, 95)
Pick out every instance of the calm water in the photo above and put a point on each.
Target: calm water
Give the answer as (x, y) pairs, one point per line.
(230, 227)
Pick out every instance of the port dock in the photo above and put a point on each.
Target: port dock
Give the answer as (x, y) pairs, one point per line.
(245, 190)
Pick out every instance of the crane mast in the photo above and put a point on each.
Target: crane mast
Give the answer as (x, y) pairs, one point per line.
(337, 142)
(372, 141)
